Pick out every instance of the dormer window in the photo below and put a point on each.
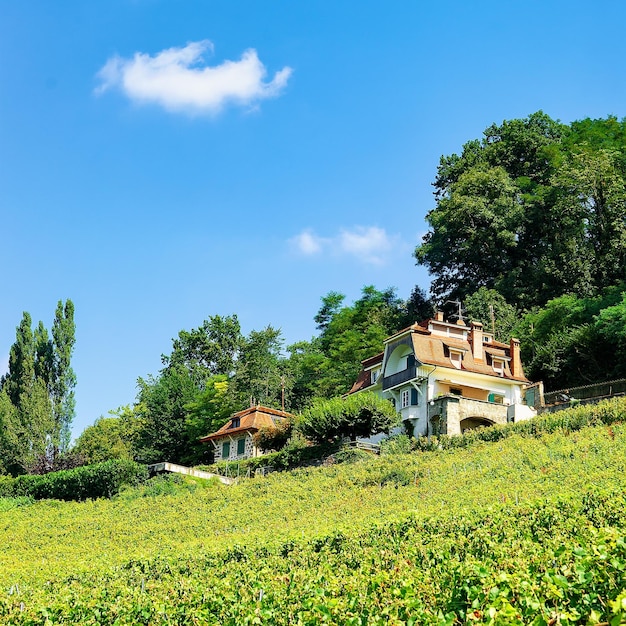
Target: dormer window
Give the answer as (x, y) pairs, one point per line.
(235, 423)
(498, 366)
(375, 375)
(456, 358)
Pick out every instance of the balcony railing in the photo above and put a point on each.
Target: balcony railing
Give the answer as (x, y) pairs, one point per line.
(399, 377)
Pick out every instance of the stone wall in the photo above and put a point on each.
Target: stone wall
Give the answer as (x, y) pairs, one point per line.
(448, 412)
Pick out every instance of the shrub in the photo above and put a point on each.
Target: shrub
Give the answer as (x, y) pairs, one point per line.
(358, 415)
(273, 437)
(102, 480)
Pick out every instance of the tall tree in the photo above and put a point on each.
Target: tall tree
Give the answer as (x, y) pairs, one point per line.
(21, 374)
(209, 350)
(64, 378)
(258, 377)
(534, 210)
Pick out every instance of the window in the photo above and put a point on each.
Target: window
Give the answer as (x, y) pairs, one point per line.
(405, 398)
(241, 446)
(456, 358)
(375, 375)
(455, 391)
(225, 449)
(236, 422)
(498, 367)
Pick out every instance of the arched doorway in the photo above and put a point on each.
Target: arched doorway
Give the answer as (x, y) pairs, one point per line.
(469, 423)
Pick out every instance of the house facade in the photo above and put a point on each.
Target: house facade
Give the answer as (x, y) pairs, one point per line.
(445, 378)
(235, 440)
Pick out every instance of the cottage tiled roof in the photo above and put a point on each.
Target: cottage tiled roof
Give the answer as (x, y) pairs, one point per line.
(250, 420)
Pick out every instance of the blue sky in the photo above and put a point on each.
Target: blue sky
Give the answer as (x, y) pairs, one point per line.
(164, 161)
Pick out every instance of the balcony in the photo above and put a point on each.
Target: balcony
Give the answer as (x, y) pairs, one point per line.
(398, 378)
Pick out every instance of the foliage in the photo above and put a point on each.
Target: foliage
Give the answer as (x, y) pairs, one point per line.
(534, 210)
(63, 379)
(110, 437)
(102, 480)
(210, 350)
(206, 413)
(442, 537)
(573, 341)
(329, 364)
(258, 377)
(273, 437)
(54, 461)
(358, 415)
(36, 395)
(162, 412)
(492, 310)
(296, 453)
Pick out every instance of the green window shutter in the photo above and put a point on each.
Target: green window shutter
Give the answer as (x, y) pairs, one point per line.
(491, 397)
(414, 397)
(241, 446)
(225, 449)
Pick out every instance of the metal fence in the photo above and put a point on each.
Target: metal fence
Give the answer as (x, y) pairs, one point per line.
(586, 392)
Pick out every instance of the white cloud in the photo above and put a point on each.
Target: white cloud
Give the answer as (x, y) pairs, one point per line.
(307, 243)
(367, 244)
(179, 79)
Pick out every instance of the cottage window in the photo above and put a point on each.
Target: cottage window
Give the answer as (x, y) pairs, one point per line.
(375, 375)
(406, 398)
(241, 446)
(235, 423)
(225, 449)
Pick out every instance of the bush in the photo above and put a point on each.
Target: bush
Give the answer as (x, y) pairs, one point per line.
(358, 415)
(274, 437)
(102, 480)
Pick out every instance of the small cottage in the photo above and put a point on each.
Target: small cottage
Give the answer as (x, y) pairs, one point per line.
(235, 440)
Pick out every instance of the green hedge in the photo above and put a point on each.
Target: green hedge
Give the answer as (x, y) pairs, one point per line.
(101, 480)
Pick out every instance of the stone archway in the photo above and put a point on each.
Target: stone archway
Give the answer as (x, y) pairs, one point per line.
(470, 423)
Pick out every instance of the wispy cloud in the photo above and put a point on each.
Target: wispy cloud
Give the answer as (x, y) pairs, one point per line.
(368, 244)
(179, 80)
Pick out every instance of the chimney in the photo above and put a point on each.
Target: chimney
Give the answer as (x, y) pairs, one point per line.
(439, 316)
(477, 341)
(516, 359)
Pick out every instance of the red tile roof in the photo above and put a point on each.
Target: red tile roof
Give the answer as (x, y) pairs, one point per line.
(250, 420)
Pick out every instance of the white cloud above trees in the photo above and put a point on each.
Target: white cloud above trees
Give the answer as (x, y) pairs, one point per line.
(368, 244)
(180, 80)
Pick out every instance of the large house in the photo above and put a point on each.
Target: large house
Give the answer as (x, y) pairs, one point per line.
(235, 440)
(445, 378)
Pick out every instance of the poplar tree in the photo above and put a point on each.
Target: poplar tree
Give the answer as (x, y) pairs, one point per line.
(63, 379)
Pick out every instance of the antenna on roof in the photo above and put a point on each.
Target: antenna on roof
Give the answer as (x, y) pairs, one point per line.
(459, 315)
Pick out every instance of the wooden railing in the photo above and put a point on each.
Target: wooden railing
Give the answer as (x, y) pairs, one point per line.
(399, 377)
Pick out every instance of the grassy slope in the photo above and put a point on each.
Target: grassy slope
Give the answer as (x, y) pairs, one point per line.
(269, 533)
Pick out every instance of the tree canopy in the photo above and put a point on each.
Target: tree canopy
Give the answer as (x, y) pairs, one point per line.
(535, 209)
